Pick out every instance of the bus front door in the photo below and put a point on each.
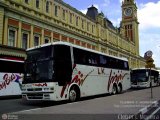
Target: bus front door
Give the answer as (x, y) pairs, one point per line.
(63, 64)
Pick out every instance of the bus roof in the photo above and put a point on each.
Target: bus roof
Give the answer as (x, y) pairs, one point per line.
(144, 69)
(76, 46)
(2, 59)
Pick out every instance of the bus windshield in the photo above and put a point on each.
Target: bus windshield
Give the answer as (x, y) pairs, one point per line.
(38, 65)
(48, 64)
(139, 76)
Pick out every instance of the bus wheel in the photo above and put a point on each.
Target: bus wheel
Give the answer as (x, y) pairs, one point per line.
(119, 88)
(114, 89)
(73, 94)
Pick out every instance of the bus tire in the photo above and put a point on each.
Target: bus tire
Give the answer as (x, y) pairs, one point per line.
(119, 88)
(114, 89)
(74, 94)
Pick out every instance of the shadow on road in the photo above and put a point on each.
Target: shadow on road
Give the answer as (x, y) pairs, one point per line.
(55, 103)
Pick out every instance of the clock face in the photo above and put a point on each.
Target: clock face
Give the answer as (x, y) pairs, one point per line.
(127, 11)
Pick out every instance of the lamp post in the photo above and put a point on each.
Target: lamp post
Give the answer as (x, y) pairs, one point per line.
(150, 82)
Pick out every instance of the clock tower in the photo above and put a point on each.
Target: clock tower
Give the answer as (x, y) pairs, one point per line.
(130, 22)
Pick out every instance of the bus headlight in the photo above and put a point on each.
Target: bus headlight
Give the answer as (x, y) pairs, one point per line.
(23, 89)
(46, 89)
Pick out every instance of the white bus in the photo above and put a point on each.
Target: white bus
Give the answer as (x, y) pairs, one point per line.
(142, 78)
(11, 76)
(61, 71)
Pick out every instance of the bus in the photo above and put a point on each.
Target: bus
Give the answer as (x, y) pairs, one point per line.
(11, 76)
(142, 78)
(63, 71)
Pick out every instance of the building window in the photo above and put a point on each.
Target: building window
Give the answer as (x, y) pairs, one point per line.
(92, 28)
(64, 15)
(27, 1)
(47, 6)
(56, 10)
(46, 40)
(70, 17)
(82, 24)
(37, 3)
(36, 40)
(24, 40)
(87, 26)
(103, 50)
(11, 39)
(77, 21)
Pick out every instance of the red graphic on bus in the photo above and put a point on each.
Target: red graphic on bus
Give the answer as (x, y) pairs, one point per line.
(79, 79)
(10, 78)
(115, 78)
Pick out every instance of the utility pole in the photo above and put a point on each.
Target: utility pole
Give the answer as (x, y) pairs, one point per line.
(149, 64)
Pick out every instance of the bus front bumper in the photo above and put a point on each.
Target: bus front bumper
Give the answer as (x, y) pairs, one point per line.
(38, 96)
(144, 85)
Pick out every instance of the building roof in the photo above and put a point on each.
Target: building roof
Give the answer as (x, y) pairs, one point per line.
(109, 24)
(92, 12)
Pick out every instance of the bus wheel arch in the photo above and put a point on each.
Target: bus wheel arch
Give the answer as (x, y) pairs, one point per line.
(74, 93)
(119, 88)
(114, 89)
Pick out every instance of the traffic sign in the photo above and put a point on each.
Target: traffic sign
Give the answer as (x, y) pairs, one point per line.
(148, 54)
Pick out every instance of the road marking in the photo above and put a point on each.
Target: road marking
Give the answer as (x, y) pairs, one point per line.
(28, 110)
(143, 110)
(73, 102)
(149, 117)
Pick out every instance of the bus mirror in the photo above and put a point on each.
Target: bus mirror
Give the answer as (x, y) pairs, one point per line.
(147, 74)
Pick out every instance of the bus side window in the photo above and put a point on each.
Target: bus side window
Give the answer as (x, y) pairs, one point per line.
(92, 59)
(126, 67)
(103, 61)
(155, 74)
(111, 63)
(80, 56)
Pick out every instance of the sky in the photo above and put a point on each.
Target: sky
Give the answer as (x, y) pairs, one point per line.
(148, 16)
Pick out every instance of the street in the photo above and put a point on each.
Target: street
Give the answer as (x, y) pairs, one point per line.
(120, 106)
(15, 105)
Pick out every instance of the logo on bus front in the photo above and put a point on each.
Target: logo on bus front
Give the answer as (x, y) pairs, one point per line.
(40, 84)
